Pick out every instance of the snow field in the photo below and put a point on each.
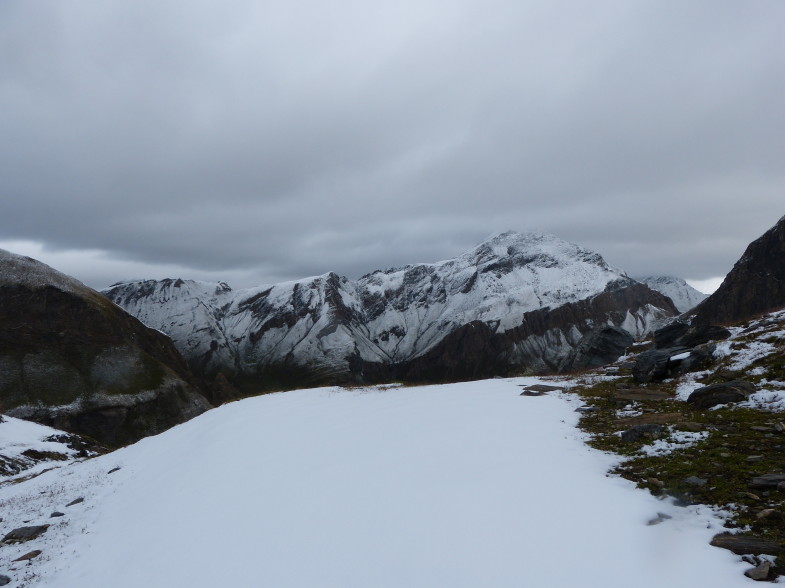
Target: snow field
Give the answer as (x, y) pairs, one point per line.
(463, 485)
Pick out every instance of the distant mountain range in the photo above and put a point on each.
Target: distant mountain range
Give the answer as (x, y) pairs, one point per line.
(683, 295)
(518, 302)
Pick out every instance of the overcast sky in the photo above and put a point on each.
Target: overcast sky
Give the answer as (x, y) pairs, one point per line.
(258, 141)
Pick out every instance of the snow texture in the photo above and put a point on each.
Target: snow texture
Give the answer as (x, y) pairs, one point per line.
(16, 270)
(684, 296)
(462, 485)
(676, 441)
(18, 436)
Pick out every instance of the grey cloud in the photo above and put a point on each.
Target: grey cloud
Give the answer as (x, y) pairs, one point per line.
(283, 139)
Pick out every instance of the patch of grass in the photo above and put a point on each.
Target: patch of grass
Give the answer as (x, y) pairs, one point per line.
(742, 443)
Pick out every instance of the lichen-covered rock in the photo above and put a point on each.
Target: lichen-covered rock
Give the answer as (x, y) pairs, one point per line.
(71, 359)
(716, 394)
(681, 334)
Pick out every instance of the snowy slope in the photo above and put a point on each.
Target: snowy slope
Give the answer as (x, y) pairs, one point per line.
(190, 312)
(28, 448)
(683, 295)
(461, 485)
(331, 326)
(410, 309)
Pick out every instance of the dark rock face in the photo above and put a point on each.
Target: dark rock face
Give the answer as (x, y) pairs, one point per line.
(668, 335)
(755, 285)
(760, 572)
(717, 394)
(656, 365)
(653, 365)
(71, 359)
(599, 347)
(699, 358)
(476, 351)
(680, 334)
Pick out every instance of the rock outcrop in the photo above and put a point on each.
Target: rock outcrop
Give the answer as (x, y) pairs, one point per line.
(754, 286)
(515, 303)
(71, 359)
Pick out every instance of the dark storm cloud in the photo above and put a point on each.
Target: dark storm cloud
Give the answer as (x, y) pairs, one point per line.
(277, 140)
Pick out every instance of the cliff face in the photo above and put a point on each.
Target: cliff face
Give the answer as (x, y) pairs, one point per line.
(71, 359)
(755, 285)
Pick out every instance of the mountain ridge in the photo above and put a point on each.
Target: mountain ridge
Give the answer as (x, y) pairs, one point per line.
(331, 328)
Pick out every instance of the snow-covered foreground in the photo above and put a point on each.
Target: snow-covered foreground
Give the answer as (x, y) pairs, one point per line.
(455, 485)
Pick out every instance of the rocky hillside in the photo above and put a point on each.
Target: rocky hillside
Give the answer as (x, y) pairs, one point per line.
(684, 296)
(755, 285)
(515, 303)
(700, 417)
(71, 359)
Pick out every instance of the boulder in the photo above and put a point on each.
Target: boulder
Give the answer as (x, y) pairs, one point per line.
(543, 388)
(743, 544)
(760, 572)
(22, 534)
(639, 432)
(767, 481)
(700, 334)
(654, 365)
(717, 394)
(597, 348)
(29, 555)
(668, 335)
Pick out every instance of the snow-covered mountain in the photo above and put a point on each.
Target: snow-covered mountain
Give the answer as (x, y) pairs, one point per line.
(684, 296)
(492, 308)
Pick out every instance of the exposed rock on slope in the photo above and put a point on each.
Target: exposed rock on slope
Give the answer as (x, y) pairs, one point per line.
(755, 285)
(683, 295)
(71, 359)
(517, 302)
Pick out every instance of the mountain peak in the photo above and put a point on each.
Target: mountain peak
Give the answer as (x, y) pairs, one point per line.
(684, 296)
(534, 248)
